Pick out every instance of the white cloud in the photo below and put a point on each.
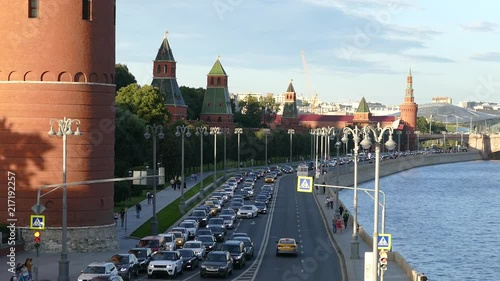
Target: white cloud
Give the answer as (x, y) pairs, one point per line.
(481, 26)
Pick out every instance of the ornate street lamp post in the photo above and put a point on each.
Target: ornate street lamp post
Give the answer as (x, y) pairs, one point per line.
(184, 132)
(155, 131)
(291, 132)
(201, 131)
(64, 130)
(377, 133)
(215, 131)
(239, 131)
(355, 137)
(225, 131)
(266, 132)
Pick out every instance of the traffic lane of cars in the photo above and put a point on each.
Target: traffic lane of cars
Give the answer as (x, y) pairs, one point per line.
(296, 216)
(254, 227)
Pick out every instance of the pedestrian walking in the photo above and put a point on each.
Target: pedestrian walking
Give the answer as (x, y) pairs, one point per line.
(116, 219)
(185, 184)
(346, 218)
(423, 277)
(172, 183)
(122, 216)
(24, 274)
(138, 209)
(327, 203)
(29, 266)
(148, 196)
(341, 210)
(339, 225)
(331, 203)
(334, 225)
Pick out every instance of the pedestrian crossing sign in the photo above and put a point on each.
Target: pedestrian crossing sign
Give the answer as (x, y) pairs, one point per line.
(37, 222)
(304, 184)
(384, 242)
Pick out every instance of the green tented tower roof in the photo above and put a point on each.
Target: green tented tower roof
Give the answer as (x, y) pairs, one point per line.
(217, 69)
(363, 106)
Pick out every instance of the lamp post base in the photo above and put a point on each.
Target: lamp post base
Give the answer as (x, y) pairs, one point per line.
(182, 206)
(154, 227)
(63, 270)
(355, 249)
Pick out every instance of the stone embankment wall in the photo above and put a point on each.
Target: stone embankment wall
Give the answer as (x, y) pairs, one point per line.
(80, 239)
(366, 172)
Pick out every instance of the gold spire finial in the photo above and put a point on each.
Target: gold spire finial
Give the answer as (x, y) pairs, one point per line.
(165, 36)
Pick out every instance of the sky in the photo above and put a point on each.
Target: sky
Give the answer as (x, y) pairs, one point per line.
(352, 48)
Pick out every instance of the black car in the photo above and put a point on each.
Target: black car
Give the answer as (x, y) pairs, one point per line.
(237, 250)
(249, 248)
(208, 242)
(218, 232)
(143, 255)
(202, 231)
(126, 264)
(189, 259)
(218, 263)
(200, 216)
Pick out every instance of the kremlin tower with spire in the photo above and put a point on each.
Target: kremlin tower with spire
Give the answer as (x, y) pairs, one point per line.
(409, 110)
(164, 78)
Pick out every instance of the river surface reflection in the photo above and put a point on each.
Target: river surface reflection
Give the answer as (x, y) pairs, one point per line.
(444, 219)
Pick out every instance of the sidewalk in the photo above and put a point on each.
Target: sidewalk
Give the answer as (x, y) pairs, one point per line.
(48, 266)
(355, 267)
(163, 198)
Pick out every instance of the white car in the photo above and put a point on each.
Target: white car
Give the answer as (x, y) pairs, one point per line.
(197, 247)
(190, 226)
(248, 211)
(169, 241)
(96, 269)
(165, 263)
(182, 230)
(228, 221)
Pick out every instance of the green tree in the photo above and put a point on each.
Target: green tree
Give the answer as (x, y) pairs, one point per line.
(146, 102)
(193, 97)
(250, 113)
(422, 125)
(129, 141)
(123, 77)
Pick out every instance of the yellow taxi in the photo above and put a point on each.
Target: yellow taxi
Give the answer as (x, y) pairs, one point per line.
(269, 179)
(286, 246)
(213, 208)
(179, 239)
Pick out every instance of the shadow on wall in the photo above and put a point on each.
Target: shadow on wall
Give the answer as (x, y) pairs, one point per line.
(20, 155)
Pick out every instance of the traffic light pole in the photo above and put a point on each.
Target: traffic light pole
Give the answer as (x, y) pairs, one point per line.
(35, 266)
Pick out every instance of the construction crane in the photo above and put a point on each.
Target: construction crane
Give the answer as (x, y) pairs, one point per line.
(313, 101)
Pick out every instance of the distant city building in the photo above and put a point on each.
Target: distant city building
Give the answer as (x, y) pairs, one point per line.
(442, 100)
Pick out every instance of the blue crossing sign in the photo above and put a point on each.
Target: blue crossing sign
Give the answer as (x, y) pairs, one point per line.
(37, 222)
(305, 184)
(384, 242)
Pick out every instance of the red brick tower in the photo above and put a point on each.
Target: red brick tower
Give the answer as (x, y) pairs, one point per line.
(409, 109)
(57, 59)
(164, 77)
(290, 112)
(216, 110)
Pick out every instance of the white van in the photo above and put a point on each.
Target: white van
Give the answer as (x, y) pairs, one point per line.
(302, 171)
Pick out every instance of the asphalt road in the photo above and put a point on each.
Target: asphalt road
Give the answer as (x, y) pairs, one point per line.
(256, 229)
(290, 214)
(296, 215)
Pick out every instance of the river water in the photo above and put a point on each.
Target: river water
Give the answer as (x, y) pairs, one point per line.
(444, 219)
